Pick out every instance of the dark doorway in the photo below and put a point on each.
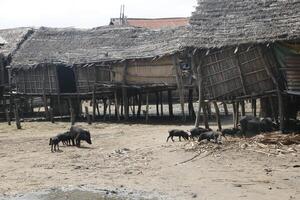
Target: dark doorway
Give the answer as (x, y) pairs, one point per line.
(66, 79)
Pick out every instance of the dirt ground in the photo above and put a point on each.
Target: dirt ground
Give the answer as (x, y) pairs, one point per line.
(136, 156)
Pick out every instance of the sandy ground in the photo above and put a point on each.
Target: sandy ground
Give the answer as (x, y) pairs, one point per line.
(137, 157)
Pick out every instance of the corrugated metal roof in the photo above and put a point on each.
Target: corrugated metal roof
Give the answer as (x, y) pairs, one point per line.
(155, 23)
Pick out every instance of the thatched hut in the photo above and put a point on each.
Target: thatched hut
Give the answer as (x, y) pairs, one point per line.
(10, 41)
(238, 49)
(98, 62)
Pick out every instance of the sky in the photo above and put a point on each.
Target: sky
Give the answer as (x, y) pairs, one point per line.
(86, 13)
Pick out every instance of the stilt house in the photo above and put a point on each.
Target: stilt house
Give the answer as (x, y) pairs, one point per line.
(248, 50)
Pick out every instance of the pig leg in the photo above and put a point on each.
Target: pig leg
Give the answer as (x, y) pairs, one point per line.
(168, 138)
(179, 138)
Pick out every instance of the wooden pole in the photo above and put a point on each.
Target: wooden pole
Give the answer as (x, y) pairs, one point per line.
(237, 114)
(208, 106)
(243, 110)
(8, 119)
(225, 109)
(117, 105)
(275, 81)
(190, 104)
(17, 117)
(87, 114)
(234, 114)
(157, 103)
(200, 100)
(170, 103)
(180, 85)
(104, 108)
(147, 107)
(139, 105)
(94, 104)
(205, 117)
(72, 114)
(274, 116)
(109, 108)
(133, 101)
(161, 104)
(253, 102)
(217, 115)
(51, 115)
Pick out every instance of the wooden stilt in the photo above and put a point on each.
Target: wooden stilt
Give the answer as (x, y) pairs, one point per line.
(225, 109)
(205, 117)
(97, 108)
(139, 105)
(8, 119)
(170, 103)
(243, 110)
(200, 101)
(133, 105)
(109, 108)
(180, 85)
(234, 114)
(157, 103)
(281, 110)
(253, 102)
(51, 115)
(87, 114)
(191, 106)
(237, 114)
(94, 105)
(117, 106)
(208, 107)
(218, 119)
(17, 117)
(161, 104)
(122, 107)
(147, 107)
(274, 116)
(72, 114)
(104, 108)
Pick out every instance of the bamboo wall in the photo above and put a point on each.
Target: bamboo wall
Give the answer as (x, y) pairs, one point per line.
(37, 80)
(87, 75)
(231, 72)
(147, 71)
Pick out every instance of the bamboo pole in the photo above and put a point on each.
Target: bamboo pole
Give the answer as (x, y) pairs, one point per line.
(253, 103)
(51, 115)
(72, 114)
(124, 91)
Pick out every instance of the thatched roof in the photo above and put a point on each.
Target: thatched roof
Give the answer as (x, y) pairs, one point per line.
(13, 39)
(108, 43)
(220, 23)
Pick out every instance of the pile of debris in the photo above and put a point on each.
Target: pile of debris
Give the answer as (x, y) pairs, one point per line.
(277, 138)
(270, 144)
